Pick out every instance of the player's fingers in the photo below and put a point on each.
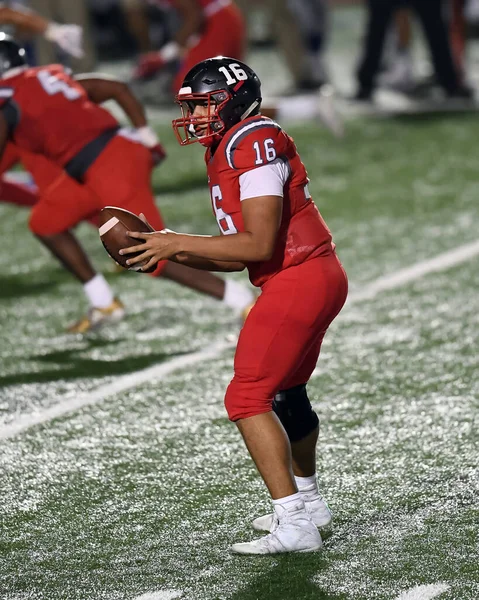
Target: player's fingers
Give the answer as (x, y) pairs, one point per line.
(138, 235)
(152, 262)
(132, 249)
(144, 256)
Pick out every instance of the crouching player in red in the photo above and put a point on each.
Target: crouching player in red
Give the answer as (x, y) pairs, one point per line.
(49, 114)
(270, 225)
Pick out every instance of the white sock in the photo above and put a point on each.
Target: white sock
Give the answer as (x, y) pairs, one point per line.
(306, 482)
(98, 292)
(237, 295)
(294, 502)
(297, 108)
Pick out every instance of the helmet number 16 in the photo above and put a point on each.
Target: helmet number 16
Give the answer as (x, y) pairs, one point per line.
(233, 73)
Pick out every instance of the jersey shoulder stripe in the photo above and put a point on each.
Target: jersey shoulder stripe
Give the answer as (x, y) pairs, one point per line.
(242, 132)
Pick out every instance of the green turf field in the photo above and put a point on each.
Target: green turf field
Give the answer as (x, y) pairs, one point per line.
(144, 491)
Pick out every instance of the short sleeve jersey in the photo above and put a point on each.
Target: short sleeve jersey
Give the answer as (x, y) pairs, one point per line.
(53, 114)
(251, 144)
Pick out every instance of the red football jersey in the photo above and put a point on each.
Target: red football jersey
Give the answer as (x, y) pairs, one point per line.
(55, 116)
(253, 143)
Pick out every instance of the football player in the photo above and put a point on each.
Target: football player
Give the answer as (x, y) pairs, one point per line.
(269, 225)
(46, 112)
(208, 28)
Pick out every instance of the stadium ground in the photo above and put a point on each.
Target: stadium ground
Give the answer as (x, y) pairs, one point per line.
(139, 494)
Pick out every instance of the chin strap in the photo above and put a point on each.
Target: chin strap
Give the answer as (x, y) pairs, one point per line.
(249, 110)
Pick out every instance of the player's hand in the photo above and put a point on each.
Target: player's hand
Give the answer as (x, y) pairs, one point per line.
(148, 65)
(150, 140)
(152, 62)
(68, 37)
(156, 246)
(158, 153)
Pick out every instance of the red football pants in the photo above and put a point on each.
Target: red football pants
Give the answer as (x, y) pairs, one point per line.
(43, 171)
(120, 176)
(224, 34)
(279, 345)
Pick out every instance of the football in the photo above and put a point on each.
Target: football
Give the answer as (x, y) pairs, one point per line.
(114, 222)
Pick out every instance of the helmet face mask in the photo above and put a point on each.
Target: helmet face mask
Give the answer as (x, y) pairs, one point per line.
(206, 128)
(227, 90)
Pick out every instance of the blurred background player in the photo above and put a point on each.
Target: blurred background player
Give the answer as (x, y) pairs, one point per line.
(300, 31)
(100, 164)
(430, 13)
(207, 28)
(69, 39)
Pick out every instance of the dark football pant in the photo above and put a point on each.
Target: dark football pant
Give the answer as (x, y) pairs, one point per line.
(379, 20)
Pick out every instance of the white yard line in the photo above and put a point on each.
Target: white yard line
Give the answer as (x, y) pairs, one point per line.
(160, 595)
(123, 383)
(441, 262)
(424, 592)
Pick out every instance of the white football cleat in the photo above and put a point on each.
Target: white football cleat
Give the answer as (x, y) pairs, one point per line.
(316, 507)
(294, 531)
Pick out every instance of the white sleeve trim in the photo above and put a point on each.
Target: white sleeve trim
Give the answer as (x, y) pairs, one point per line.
(268, 180)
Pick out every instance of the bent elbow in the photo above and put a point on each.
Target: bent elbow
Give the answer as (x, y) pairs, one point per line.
(237, 268)
(266, 251)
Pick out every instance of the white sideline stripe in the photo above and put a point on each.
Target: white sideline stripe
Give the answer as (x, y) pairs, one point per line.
(107, 226)
(121, 384)
(441, 262)
(424, 592)
(67, 405)
(160, 595)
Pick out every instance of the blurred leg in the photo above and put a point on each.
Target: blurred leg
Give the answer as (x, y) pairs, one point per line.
(290, 42)
(379, 18)
(432, 21)
(137, 22)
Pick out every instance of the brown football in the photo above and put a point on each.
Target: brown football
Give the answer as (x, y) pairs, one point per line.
(114, 222)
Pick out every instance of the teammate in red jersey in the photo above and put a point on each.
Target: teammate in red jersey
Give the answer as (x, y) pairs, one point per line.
(208, 28)
(270, 225)
(48, 113)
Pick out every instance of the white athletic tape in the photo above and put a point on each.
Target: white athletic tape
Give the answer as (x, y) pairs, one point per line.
(107, 226)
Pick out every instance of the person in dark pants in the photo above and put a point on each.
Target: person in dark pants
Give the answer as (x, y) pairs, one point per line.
(430, 14)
